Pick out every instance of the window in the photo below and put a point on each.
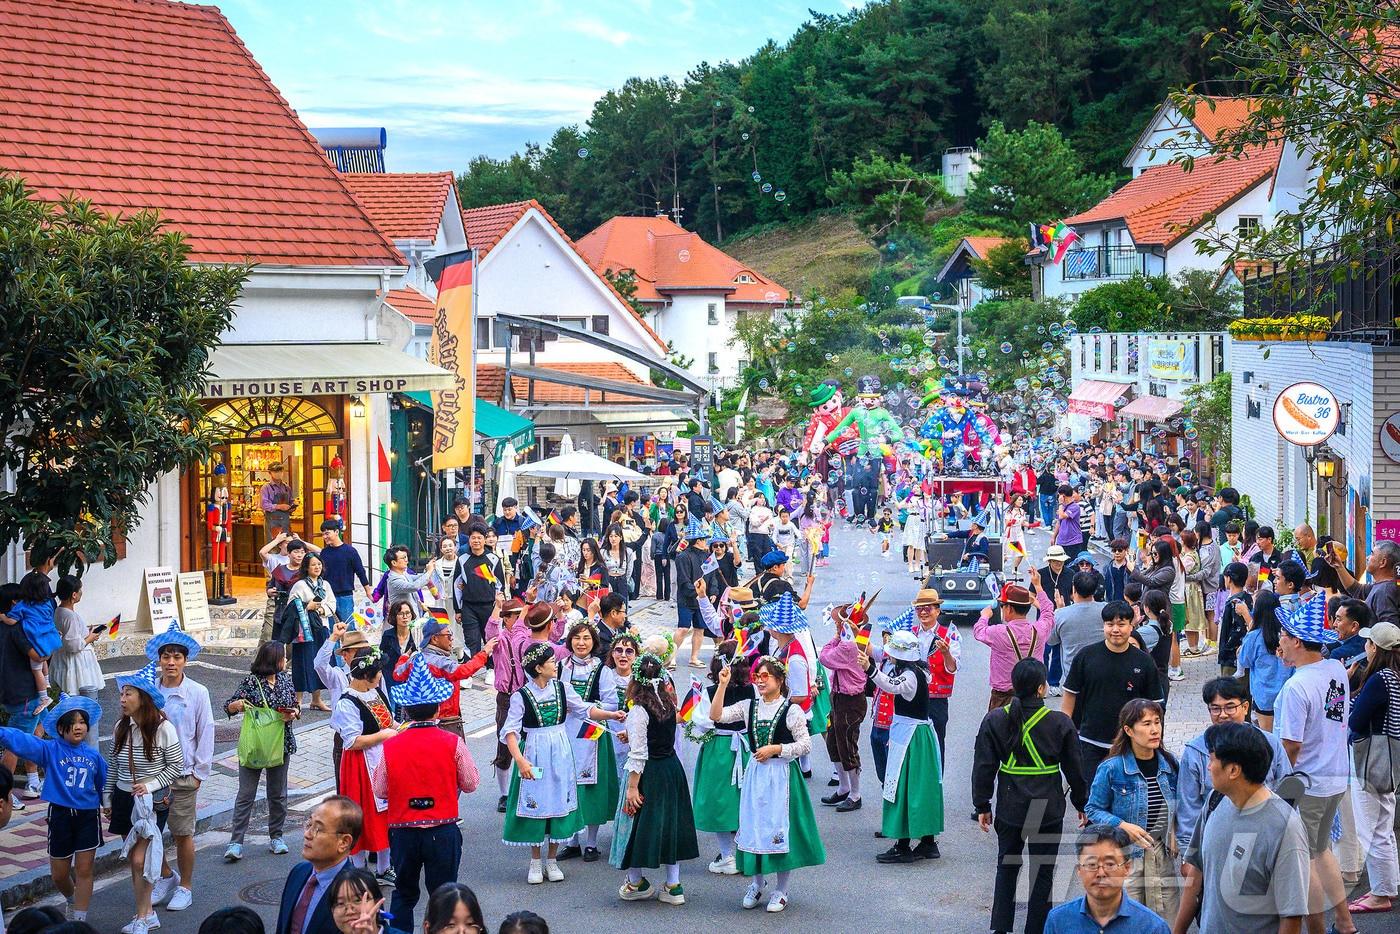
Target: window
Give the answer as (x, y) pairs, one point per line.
(743, 364)
(1247, 225)
(483, 333)
(600, 324)
(1098, 352)
(714, 313)
(1113, 354)
(745, 278)
(714, 362)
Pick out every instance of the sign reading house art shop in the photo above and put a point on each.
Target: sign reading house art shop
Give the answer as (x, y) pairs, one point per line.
(1306, 414)
(342, 368)
(253, 389)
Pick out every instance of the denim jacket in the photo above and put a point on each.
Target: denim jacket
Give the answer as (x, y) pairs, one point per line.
(1119, 794)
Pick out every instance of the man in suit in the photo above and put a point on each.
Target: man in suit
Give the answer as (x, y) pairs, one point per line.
(330, 834)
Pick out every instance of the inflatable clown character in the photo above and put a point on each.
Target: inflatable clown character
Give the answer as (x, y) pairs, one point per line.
(879, 430)
(828, 409)
(958, 435)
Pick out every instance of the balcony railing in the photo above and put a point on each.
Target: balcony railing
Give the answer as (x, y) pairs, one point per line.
(1359, 295)
(1103, 262)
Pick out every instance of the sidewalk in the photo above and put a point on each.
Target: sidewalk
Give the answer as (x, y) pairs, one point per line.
(24, 864)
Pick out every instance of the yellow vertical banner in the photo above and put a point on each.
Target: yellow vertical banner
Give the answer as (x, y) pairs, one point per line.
(454, 330)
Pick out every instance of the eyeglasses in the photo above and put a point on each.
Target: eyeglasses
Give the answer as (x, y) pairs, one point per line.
(926, 608)
(1107, 865)
(624, 650)
(1217, 710)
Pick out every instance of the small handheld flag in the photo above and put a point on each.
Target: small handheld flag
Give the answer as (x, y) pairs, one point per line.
(590, 730)
(1017, 548)
(741, 641)
(113, 626)
(692, 700)
(438, 613)
(710, 566)
(596, 578)
(483, 572)
(433, 589)
(863, 635)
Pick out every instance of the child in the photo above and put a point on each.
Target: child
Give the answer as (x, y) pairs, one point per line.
(1233, 625)
(915, 530)
(785, 536)
(1016, 533)
(885, 526)
(77, 773)
(35, 612)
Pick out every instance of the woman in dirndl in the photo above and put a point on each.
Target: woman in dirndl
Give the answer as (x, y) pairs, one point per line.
(777, 829)
(595, 765)
(542, 804)
(362, 720)
(657, 795)
(913, 787)
(724, 754)
(807, 680)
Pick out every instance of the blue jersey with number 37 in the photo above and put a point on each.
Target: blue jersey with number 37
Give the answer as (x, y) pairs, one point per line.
(74, 774)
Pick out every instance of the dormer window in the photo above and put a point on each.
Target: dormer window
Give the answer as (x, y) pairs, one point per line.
(744, 278)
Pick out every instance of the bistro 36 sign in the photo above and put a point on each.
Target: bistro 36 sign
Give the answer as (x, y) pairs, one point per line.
(1306, 414)
(252, 389)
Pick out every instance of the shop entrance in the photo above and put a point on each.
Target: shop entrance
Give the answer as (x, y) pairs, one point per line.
(305, 437)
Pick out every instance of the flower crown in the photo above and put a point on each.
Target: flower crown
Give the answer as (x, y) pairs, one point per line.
(537, 654)
(626, 636)
(660, 675)
(781, 668)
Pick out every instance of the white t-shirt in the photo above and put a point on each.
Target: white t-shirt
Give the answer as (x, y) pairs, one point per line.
(1312, 709)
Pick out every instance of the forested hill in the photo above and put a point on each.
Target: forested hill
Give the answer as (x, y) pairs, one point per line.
(758, 141)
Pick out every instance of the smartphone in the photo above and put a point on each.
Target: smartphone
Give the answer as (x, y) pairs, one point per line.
(98, 630)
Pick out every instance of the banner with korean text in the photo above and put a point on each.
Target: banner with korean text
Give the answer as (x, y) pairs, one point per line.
(454, 328)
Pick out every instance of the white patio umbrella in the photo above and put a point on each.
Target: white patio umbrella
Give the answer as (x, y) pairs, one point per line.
(580, 465)
(562, 486)
(505, 475)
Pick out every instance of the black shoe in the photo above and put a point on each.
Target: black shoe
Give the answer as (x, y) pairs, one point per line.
(590, 854)
(835, 798)
(833, 783)
(850, 804)
(897, 854)
(927, 850)
(568, 852)
(879, 835)
(806, 773)
(501, 805)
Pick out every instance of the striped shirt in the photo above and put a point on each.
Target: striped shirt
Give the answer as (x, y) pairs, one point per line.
(159, 771)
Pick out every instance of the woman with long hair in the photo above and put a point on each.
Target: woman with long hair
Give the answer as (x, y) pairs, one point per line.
(268, 685)
(723, 757)
(661, 554)
(657, 797)
(1158, 572)
(1375, 714)
(1135, 790)
(662, 507)
(1157, 613)
(398, 638)
(1259, 663)
(453, 909)
(595, 767)
(146, 760)
(306, 625)
(364, 723)
(1194, 610)
(1022, 750)
(591, 567)
(356, 901)
(617, 557)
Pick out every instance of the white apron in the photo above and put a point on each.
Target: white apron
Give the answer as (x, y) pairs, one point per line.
(585, 750)
(901, 732)
(553, 793)
(763, 807)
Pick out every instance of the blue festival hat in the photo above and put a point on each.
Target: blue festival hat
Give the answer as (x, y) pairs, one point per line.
(773, 559)
(904, 622)
(422, 686)
(172, 636)
(696, 529)
(1308, 622)
(147, 680)
(783, 616)
(67, 702)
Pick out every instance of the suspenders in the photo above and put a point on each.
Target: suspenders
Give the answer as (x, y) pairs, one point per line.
(1037, 765)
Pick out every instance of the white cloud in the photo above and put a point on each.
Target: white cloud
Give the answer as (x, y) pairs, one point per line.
(595, 29)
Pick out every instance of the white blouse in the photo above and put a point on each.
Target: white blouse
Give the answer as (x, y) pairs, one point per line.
(515, 717)
(904, 684)
(301, 590)
(796, 723)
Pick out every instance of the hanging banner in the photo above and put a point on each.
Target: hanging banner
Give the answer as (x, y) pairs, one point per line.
(454, 410)
(1170, 359)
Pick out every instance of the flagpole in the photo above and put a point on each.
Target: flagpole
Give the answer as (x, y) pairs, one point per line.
(471, 464)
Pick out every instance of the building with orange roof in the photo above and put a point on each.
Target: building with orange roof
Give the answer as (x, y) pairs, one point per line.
(1171, 133)
(960, 273)
(695, 292)
(147, 104)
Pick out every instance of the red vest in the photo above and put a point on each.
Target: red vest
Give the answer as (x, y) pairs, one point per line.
(940, 679)
(422, 770)
(795, 648)
(884, 709)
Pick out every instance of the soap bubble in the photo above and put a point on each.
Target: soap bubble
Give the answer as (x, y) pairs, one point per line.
(744, 136)
(751, 108)
(763, 384)
(981, 353)
(1006, 347)
(767, 187)
(848, 371)
(1046, 347)
(583, 153)
(756, 176)
(828, 356)
(779, 195)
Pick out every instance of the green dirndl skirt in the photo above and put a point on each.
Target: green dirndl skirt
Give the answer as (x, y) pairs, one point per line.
(535, 831)
(819, 718)
(716, 795)
(663, 830)
(598, 802)
(804, 842)
(917, 808)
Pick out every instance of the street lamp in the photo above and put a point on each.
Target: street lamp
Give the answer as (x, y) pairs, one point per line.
(357, 407)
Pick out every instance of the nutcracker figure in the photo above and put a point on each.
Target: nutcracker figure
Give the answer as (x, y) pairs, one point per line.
(218, 521)
(337, 505)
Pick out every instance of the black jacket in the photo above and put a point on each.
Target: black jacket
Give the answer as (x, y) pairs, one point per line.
(688, 569)
(1020, 796)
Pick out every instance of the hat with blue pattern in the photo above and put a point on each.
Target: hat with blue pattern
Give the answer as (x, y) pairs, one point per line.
(696, 529)
(783, 615)
(904, 622)
(146, 680)
(422, 686)
(1308, 622)
(172, 636)
(67, 702)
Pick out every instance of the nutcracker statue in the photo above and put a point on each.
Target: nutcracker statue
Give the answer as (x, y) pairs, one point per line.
(218, 521)
(337, 506)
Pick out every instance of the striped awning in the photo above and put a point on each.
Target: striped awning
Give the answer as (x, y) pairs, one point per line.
(1096, 398)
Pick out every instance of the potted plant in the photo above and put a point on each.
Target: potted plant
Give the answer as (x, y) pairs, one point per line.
(1285, 328)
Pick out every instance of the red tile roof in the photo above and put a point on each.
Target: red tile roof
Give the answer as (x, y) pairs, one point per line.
(1228, 114)
(984, 245)
(667, 258)
(1165, 203)
(151, 104)
(487, 225)
(404, 205)
(491, 379)
(413, 305)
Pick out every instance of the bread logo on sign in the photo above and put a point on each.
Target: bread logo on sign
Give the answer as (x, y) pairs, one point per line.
(1390, 437)
(1306, 414)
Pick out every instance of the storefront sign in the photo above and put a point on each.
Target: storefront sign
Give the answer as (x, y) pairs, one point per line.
(1170, 359)
(1306, 414)
(253, 389)
(1387, 530)
(1390, 437)
(159, 606)
(702, 459)
(194, 600)
(454, 410)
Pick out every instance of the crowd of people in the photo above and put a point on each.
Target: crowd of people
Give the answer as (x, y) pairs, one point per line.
(648, 752)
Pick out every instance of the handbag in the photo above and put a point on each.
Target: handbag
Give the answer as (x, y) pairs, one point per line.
(1375, 758)
(262, 736)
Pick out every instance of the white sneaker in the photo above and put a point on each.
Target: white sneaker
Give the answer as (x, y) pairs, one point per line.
(536, 874)
(778, 902)
(724, 866)
(1209, 648)
(161, 890)
(552, 872)
(753, 894)
(142, 925)
(671, 895)
(180, 900)
(641, 893)
(1176, 674)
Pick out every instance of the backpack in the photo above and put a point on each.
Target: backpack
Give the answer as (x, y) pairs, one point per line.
(658, 544)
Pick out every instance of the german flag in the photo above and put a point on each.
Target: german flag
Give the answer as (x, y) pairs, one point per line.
(1017, 548)
(438, 613)
(863, 635)
(483, 572)
(692, 700)
(590, 730)
(113, 625)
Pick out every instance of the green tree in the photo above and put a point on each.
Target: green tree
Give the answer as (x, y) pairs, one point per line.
(625, 281)
(1014, 321)
(1004, 271)
(1134, 304)
(888, 194)
(1030, 176)
(500, 181)
(1201, 302)
(110, 333)
(1039, 60)
(1208, 407)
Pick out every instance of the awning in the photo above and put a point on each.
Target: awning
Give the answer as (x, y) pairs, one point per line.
(641, 422)
(1151, 408)
(331, 368)
(1096, 398)
(493, 423)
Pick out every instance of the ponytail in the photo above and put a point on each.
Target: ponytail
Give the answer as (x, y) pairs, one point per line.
(1027, 678)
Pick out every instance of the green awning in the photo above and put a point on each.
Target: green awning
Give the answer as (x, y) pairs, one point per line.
(493, 423)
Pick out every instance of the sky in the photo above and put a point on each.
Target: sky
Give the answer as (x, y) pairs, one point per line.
(452, 80)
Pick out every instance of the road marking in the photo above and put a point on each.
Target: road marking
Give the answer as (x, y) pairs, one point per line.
(486, 731)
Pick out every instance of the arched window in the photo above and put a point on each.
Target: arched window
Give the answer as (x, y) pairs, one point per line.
(273, 418)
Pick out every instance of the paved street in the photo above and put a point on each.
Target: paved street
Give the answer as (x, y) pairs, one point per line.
(952, 894)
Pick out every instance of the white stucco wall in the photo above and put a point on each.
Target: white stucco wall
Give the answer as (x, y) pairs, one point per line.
(685, 323)
(1163, 131)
